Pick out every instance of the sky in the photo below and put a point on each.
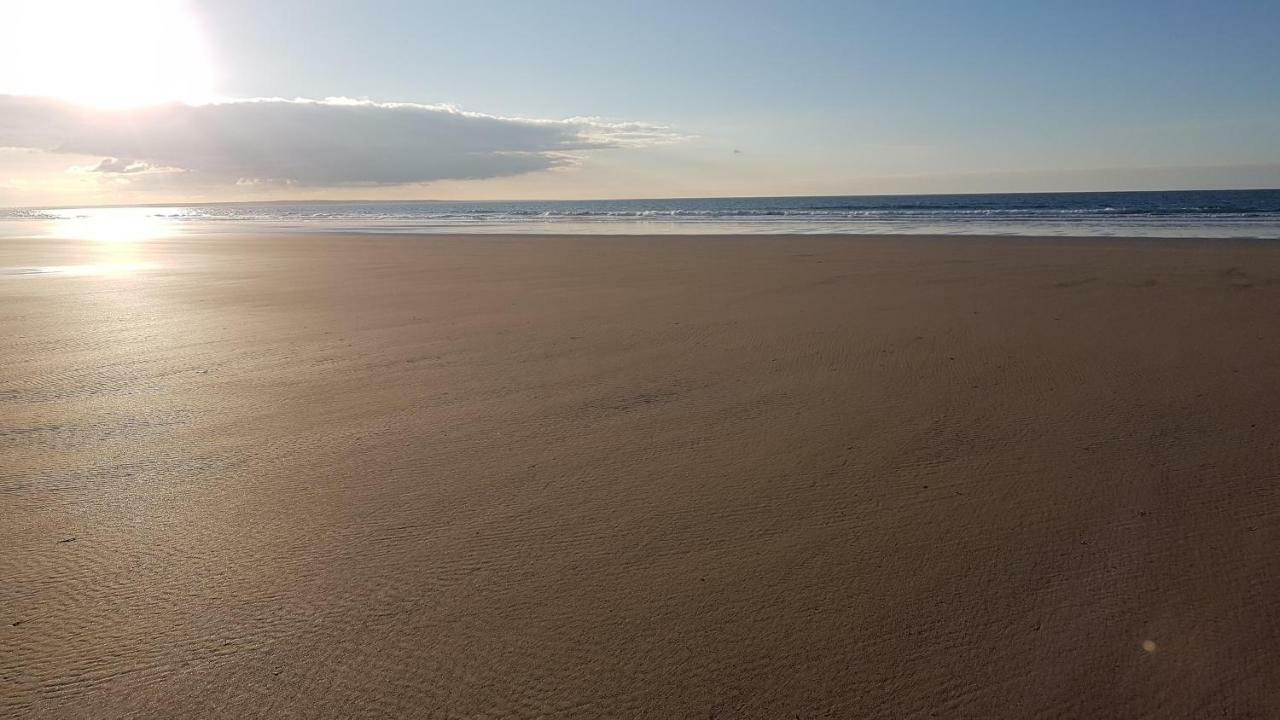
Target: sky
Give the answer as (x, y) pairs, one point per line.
(205, 100)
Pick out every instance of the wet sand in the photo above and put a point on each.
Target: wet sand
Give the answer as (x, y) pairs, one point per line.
(340, 477)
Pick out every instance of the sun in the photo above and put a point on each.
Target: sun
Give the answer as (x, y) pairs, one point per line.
(105, 53)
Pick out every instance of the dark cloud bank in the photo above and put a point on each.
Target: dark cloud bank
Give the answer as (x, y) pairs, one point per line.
(311, 142)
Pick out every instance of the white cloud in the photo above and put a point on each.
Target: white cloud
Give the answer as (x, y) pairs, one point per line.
(118, 166)
(332, 142)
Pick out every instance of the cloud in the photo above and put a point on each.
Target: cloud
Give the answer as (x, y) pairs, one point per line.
(116, 165)
(332, 142)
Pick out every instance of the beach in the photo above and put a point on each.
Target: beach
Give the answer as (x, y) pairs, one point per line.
(342, 476)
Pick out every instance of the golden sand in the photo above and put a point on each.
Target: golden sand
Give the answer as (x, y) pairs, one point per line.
(341, 476)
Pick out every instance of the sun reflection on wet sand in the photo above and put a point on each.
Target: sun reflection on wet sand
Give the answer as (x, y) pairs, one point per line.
(114, 225)
(102, 242)
(107, 269)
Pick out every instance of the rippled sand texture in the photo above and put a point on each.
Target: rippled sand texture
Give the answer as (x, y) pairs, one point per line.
(310, 477)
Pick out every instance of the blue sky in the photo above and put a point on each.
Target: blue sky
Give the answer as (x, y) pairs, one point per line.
(815, 97)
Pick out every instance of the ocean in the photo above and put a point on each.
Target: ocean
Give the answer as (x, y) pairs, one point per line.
(1199, 213)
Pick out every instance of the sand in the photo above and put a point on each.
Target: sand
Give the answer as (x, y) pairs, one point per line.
(791, 477)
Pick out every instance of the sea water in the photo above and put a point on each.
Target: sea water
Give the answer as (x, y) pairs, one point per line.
(1199, 213)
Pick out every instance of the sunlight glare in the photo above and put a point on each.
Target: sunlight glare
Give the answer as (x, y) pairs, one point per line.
(106, 53)
(113, 225)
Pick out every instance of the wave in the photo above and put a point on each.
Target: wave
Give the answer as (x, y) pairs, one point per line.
(957, 214)
(1087, 212)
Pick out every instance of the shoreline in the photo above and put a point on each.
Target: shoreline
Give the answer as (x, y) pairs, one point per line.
(1209, 213)
(240, 231)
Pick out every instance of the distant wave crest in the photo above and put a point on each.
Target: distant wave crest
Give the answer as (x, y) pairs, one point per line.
(1250, 213)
